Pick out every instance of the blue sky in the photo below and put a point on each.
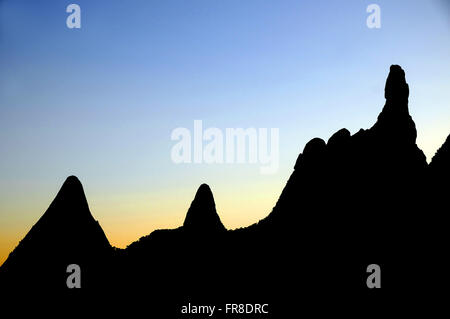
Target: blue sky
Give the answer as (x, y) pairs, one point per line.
(101, 102)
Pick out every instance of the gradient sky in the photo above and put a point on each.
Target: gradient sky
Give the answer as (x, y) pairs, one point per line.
(101, 102)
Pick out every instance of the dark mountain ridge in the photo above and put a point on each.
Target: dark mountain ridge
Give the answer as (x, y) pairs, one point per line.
(66, 234)
(352, 201)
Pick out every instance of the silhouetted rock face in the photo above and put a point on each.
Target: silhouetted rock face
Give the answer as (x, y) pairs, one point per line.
(202, 216)
(396, 89)
(66, 234)
(380, 165)
(313, 153)
(393, 137)
(339, 138)
(69, 205)
(68, 220)
(353, 201)
(394, 122)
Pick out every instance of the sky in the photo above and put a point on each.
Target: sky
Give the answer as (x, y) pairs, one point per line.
(101, 102)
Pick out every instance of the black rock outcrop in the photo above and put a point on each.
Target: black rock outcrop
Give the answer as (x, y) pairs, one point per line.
(350, 202)
(202, 216)
(66, 234)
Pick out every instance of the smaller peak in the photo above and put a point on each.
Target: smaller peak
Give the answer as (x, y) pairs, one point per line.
(315, 145)
(71, 193)
(72, 185)
(202, 215)
(204, 188)
(339, 137)
(204, 193)
(313, 152)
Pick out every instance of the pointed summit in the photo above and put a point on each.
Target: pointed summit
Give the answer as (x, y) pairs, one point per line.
(72, 185)
(394, 122)
(66, 233)
(70, 199)
(202, 216)
(69, 216)
(396, 88)
(388, 150)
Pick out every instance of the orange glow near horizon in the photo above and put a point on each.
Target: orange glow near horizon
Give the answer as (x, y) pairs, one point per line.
(128, 217)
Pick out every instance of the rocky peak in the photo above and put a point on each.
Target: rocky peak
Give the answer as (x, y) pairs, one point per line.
(202, 215)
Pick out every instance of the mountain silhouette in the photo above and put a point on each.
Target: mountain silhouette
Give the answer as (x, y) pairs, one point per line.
(202, 216)
(352, 178)
(201, 219)
(355, 200)
(66, 234)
